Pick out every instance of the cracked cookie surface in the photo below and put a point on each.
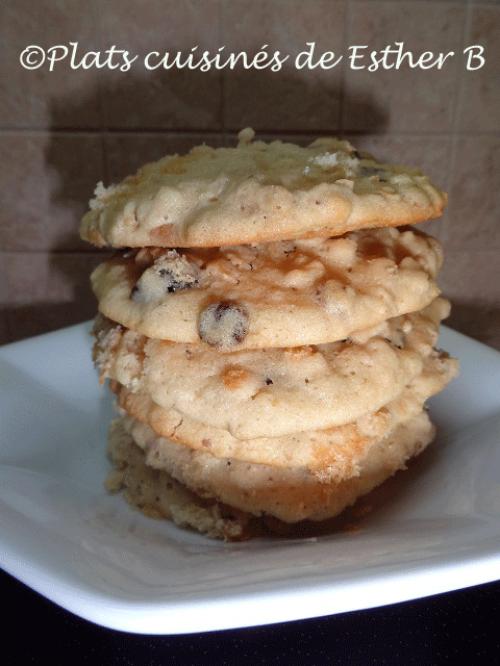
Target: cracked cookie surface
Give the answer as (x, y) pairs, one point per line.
(258, 192)
(274, 392)
(255, 490)
(331, 454)
(280, 294)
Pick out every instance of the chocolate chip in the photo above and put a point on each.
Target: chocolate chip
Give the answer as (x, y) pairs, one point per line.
(171, 283)
(269, 381)
(169, 273)
(223, 324)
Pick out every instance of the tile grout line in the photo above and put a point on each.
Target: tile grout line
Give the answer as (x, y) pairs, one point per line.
(96, 11)
(222, 101)
(343, 78)
(459, 99)
(456, 119)
(153, 131)
(93, 253)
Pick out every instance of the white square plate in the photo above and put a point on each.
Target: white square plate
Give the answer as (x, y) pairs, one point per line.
(89, 552)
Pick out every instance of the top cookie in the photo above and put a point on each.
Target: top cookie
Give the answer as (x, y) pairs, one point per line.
(257, 192)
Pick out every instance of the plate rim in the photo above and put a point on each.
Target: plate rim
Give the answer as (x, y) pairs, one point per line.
(228, 609)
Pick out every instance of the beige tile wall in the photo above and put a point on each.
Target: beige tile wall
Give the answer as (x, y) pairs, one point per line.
(63, 131)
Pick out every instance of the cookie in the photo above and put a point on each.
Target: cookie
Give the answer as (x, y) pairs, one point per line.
(274, 392)
(158, 495)
(288, 495)
(258, 192)
(280, 294)
(332, 454)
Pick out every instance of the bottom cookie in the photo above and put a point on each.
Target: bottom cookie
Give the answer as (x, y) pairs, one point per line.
(158, 494)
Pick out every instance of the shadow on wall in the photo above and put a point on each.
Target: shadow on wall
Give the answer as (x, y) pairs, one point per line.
(481, 322)
(148, 122)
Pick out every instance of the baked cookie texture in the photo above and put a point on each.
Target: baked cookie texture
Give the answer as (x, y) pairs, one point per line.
(255, 193)
(275, 392)
(280, 294)
(196, 489)
(332, 453)
(269, 332)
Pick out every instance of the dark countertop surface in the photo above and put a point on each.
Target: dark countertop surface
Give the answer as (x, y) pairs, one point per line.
(461, 626)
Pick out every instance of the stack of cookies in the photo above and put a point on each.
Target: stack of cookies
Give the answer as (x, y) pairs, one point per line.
(268, 330)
